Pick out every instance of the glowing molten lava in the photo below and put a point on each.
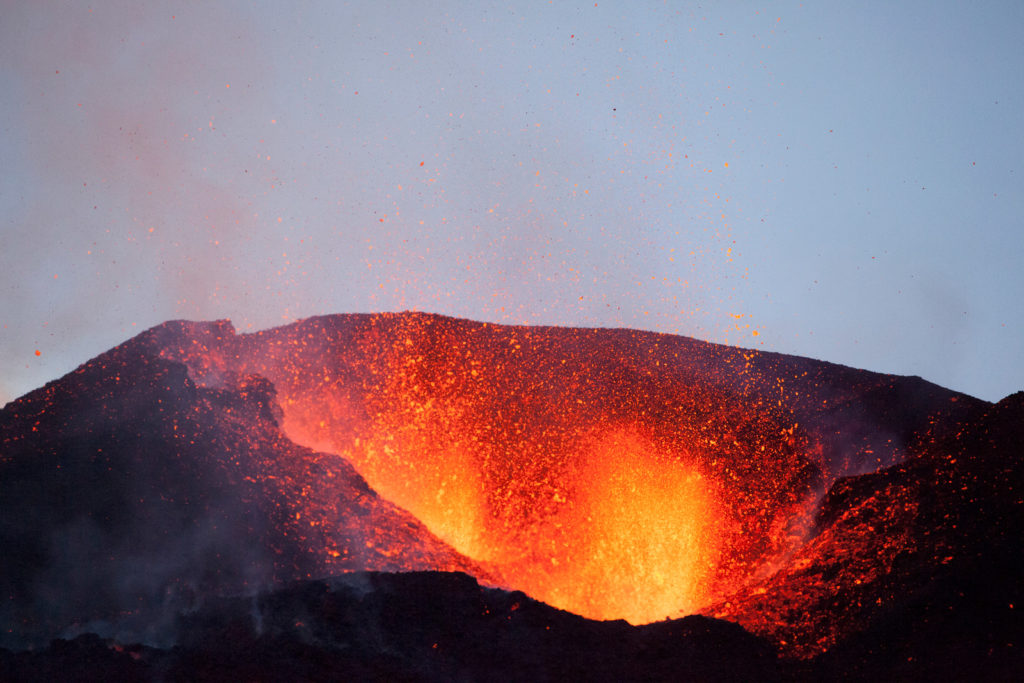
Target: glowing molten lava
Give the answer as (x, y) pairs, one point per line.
(610, 473)
(644, 536)
(626, 535)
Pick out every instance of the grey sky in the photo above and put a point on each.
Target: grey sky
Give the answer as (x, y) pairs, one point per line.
(841, 178)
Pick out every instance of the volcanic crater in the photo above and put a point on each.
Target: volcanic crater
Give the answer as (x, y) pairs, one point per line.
(614, 474)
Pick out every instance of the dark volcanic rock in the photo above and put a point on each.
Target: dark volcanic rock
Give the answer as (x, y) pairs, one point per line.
(914, 570)
(86, 658)
(430, 626)
(420, 626)
(127, 493)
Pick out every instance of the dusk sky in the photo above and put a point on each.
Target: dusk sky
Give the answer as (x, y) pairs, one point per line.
(836, 180)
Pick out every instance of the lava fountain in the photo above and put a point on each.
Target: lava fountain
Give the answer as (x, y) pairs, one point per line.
(612, 473)
(643, 535)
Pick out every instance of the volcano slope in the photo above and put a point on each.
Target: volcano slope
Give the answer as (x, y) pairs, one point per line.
(913, 572)
(127, 493)
(612, 473)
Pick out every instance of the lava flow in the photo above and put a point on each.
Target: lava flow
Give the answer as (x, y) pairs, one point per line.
(614, 474)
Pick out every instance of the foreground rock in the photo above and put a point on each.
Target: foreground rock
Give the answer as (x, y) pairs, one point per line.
(127, 493)
(420, 626)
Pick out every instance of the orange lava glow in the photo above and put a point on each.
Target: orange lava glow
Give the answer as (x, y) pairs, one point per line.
(620, 484)
(643, 537)
(628, 536)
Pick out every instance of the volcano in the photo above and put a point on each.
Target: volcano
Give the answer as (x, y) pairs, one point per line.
(416, 496)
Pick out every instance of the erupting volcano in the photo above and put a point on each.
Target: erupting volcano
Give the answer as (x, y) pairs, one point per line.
(614, 474)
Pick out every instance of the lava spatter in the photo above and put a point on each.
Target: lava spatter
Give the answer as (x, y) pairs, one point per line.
(614, 473)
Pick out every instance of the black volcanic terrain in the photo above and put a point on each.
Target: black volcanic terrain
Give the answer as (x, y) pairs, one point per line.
(126, 487)
(355, 496)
